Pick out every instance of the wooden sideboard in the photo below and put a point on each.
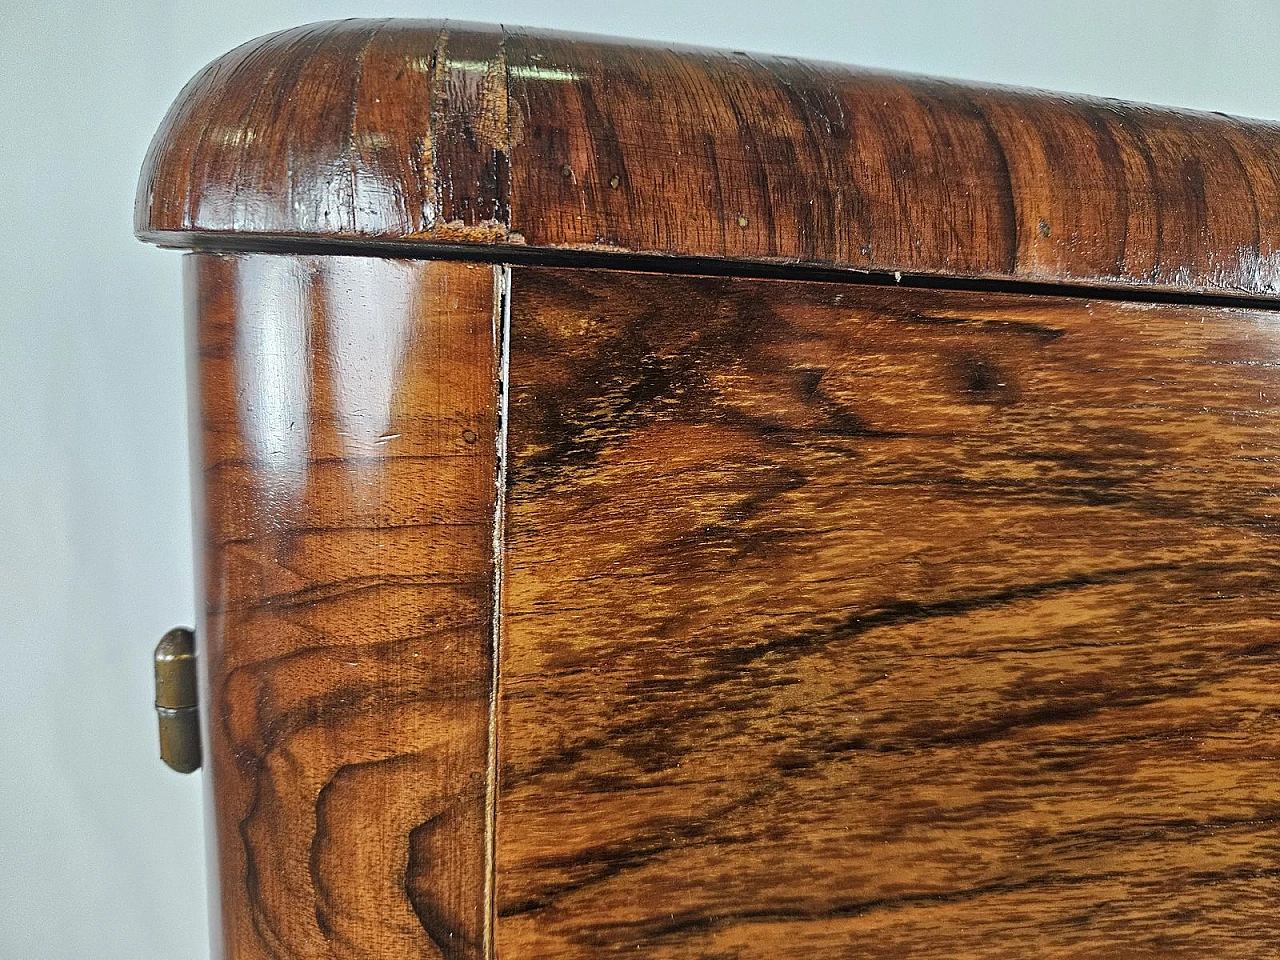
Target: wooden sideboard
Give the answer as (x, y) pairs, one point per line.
(678, 503)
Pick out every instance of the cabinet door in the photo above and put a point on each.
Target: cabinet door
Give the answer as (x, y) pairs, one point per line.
(842, 620)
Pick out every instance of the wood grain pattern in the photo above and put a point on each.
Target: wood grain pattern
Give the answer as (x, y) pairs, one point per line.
(835, 619)
(349, 426)
(416, 132)
(842, 621)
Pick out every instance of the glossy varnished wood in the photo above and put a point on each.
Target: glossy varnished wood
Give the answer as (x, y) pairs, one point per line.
(831, 620)
(408, 132)
(845, 621)
(348, 412)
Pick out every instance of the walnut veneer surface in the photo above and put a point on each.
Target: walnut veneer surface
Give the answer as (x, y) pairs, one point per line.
(415, 131)
(689, 504)
(859, 622)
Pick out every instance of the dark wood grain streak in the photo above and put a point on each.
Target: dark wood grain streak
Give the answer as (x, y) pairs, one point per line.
(349, 431)
(842, 621)
(421, 132)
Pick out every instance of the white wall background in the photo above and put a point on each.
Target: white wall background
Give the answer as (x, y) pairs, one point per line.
(101, 855)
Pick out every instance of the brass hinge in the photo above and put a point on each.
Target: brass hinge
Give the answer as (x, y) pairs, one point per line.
(177, 703)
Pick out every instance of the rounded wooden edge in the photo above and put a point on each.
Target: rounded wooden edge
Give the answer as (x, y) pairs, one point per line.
(409, 133)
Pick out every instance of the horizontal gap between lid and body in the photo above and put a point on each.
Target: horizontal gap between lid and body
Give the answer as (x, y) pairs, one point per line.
(676, 265)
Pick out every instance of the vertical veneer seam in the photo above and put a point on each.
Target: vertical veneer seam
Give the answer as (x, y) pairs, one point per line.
(502, 291)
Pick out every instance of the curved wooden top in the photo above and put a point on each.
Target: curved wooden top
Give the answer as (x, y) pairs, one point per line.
(419, 132)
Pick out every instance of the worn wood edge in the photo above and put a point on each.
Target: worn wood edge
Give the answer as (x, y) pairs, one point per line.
(1163, 199)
